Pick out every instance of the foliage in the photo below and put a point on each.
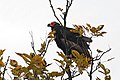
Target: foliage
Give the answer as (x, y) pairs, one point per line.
(36, 67)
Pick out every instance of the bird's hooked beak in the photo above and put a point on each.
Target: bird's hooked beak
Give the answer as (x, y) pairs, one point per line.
(48, 25)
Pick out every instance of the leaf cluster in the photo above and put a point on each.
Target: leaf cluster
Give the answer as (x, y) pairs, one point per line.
(105, 71)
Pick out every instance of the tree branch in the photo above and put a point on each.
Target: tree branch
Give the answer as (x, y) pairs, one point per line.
(5, 67)
(68, 5)
(32, 42)
(102, 55)
(54, 12)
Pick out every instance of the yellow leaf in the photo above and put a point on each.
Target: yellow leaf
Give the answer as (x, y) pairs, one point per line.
(74, 31)
(1, 64)
(93, 30)
(38, 61)
(108, 77)
(60, 9)
(103, 67)
(51, 36)
(1, 52)
(76, 53)
(13, 63)
(100, 27)
(99, 51)
(55, 74)
(52, 32)
(98, 78)
(60, 61)
(25, 58)
(107, 71)
(88, 25)
(63, 56)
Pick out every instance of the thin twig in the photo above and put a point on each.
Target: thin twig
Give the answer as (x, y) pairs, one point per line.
(102, 55)
(73, 76)
(97, 67)
(68, 5)
(32, 43)
(45, 48)
(5, 67)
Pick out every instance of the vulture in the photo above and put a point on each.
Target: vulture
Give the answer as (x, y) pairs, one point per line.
(68, 41)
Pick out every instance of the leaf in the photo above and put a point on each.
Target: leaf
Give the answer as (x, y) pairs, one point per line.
(103, 67)
(25, 58)
(60, 61)
(100, 27)
(111, 59)
(93, 30)
(38, 61)
(101, 72)
(13, 63)
(60, 9)
(74, 31)
(63, 56)
(76, 53)
(55, 74)
(108, 77)
(107, 71)
(1, 64)
(99, 51)
(88, 25)
(52, 32)
(100, 33)
(98, 78)
(1, 52)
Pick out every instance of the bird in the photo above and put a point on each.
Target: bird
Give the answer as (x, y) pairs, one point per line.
(68, 41)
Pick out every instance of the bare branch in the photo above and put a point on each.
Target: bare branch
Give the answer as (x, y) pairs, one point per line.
(54, 12)
(5, 67)
(68, 5)
(97, 67)
(46, 47)
(32, 43)
(102, 55)
(73, 76)
(91, 69)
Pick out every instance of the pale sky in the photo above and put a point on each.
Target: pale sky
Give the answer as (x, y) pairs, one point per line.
(18, 17)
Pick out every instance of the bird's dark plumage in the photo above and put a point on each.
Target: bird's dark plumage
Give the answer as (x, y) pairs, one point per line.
(68, 41)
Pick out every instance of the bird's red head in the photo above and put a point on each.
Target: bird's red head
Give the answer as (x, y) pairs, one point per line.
(52, 24)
